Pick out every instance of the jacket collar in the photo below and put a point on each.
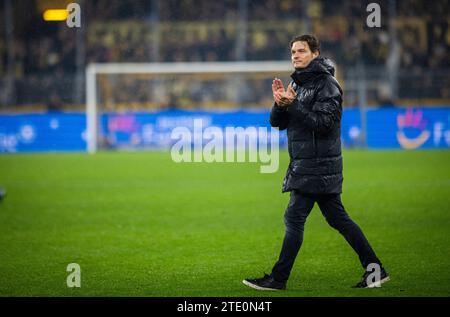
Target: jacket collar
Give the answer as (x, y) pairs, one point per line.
(319, 65)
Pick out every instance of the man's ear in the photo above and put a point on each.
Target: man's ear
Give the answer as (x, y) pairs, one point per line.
(315, 54)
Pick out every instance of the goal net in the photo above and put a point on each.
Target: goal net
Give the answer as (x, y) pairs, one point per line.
(134, 106)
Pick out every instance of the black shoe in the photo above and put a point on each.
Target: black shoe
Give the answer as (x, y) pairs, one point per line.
(266, 283)
(364, 283)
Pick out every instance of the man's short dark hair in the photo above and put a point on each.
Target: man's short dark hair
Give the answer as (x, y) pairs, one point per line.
(312, 41)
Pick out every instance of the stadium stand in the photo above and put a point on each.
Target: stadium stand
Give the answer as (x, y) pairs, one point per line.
(42, 61)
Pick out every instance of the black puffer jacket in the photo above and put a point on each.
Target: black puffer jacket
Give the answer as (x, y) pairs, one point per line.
(313, 123)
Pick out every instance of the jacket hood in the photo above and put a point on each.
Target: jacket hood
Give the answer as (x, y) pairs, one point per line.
(319, 65)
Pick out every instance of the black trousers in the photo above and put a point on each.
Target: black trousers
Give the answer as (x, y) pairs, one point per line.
(300, 205)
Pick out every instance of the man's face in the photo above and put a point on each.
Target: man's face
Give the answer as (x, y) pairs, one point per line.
(301, 55)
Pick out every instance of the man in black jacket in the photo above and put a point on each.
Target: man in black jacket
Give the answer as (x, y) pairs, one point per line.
(311, 109)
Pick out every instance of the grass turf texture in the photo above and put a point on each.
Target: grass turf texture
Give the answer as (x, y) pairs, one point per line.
(140, 225)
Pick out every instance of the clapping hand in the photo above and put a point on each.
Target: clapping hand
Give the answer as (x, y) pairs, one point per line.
(283, 98)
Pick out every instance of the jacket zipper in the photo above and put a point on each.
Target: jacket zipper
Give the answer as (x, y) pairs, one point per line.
(314, 144)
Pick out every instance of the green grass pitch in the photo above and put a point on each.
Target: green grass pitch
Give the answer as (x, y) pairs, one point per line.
(139, 224)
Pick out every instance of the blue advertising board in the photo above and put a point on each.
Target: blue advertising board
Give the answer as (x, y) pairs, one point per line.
(387, 128)
(42, 132)
(423, 128)
(154, 130)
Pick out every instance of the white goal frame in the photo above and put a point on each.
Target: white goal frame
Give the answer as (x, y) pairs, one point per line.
(93, 70)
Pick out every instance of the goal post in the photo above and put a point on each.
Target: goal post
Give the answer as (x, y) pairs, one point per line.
(159, 70)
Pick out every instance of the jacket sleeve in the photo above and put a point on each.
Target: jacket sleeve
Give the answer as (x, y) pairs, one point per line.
(279, 117)
(326, 110)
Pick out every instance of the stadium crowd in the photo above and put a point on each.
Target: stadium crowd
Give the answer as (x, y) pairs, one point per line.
(44, 55)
